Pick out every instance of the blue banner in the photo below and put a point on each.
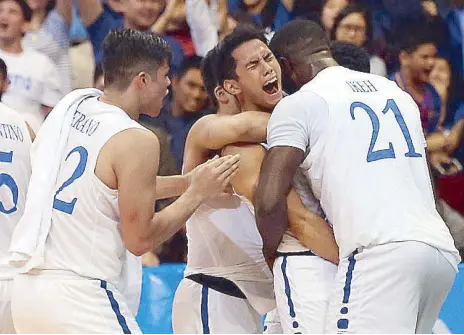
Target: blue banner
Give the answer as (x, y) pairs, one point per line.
(159, 286)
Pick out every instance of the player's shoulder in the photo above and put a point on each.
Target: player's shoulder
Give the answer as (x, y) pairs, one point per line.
(7, 113)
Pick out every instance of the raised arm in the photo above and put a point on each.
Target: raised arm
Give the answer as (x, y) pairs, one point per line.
(309, 228)
(89, 11)
(64, 7)
(135, 162)
(213, 132)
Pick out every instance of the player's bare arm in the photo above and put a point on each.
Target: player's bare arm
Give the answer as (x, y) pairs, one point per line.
(171, 186)
(309, 228)
(213, 132)
(277, 171)
(134, 158)
(31, 132)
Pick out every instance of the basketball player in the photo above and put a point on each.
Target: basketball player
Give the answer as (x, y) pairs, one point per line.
(309, 226)
(75, 290)
(363, 154)
(15, 169)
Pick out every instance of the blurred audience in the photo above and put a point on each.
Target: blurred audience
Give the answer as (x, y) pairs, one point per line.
(34, 82)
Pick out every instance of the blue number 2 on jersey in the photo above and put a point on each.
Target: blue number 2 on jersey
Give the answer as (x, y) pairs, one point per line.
(68, 207)
(374, 155)
(8, 181)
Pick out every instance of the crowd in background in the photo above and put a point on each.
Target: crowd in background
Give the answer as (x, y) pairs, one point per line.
(53, 46)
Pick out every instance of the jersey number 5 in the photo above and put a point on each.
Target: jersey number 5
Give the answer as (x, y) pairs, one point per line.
(8, 181)
(68, 207)
(375, 155)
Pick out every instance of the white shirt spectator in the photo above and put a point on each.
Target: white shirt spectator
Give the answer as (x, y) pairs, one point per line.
(33, 81)
(52, 39)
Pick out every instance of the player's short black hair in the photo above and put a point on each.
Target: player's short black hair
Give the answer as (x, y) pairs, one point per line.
(3, 69)
(413, 35)
(126, 52)
(98, 72)
(27, 12)
(192, 62)
(228, 65)
(351, 56)
(290, 36)
(208, 72)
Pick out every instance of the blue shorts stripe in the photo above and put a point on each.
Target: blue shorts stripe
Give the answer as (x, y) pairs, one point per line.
(115, 306)
(288, 293)
(204, 309)
(349, 277)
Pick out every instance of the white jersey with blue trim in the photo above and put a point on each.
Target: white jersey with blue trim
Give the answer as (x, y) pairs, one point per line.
(15, 171)
(224, 241)
(365, 159)
(85, 235)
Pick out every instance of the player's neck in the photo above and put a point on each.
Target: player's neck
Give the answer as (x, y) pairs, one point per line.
(11, 46)
(123, 101)
(322, 64)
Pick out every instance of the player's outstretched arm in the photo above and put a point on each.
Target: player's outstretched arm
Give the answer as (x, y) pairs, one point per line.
(213, 132)
(309, 228)
(135, 165)
(171, 186)
(277, 171)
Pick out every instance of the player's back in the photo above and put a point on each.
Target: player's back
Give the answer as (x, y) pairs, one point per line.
(84, 235)
(367, 162)
(15, 171)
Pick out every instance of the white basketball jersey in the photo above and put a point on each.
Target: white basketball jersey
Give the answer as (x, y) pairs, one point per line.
(223, 241)
(84, 235)
(15, 171)
(365, 159)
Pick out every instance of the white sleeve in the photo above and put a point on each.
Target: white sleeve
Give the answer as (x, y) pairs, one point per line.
(52, 92)
(203, 26)
(297, 121)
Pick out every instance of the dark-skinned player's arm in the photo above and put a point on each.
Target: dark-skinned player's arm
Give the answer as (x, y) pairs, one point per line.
(309, 228)
(214, 132)
(289, 129)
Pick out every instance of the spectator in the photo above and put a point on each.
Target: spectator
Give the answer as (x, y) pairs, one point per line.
(208, 23)
(417, 58)
(455, 49)
(3, 78)
(99, 18)
(330, 10)
(173, 23)
(184, 107)
(353, 24)
(48, 33)
(267, 14)
(34, 82)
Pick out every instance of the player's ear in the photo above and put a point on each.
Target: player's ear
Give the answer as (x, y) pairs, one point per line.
(285, 65)
(140, 80)
(221, 95)
(232, 87)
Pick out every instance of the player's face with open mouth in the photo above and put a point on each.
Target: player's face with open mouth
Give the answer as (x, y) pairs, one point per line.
(259, 73)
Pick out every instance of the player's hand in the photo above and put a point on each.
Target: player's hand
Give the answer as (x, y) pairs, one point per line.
(213, 177)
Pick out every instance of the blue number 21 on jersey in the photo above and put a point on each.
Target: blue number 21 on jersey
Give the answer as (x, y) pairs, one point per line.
(374, 155)
(68, 207)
